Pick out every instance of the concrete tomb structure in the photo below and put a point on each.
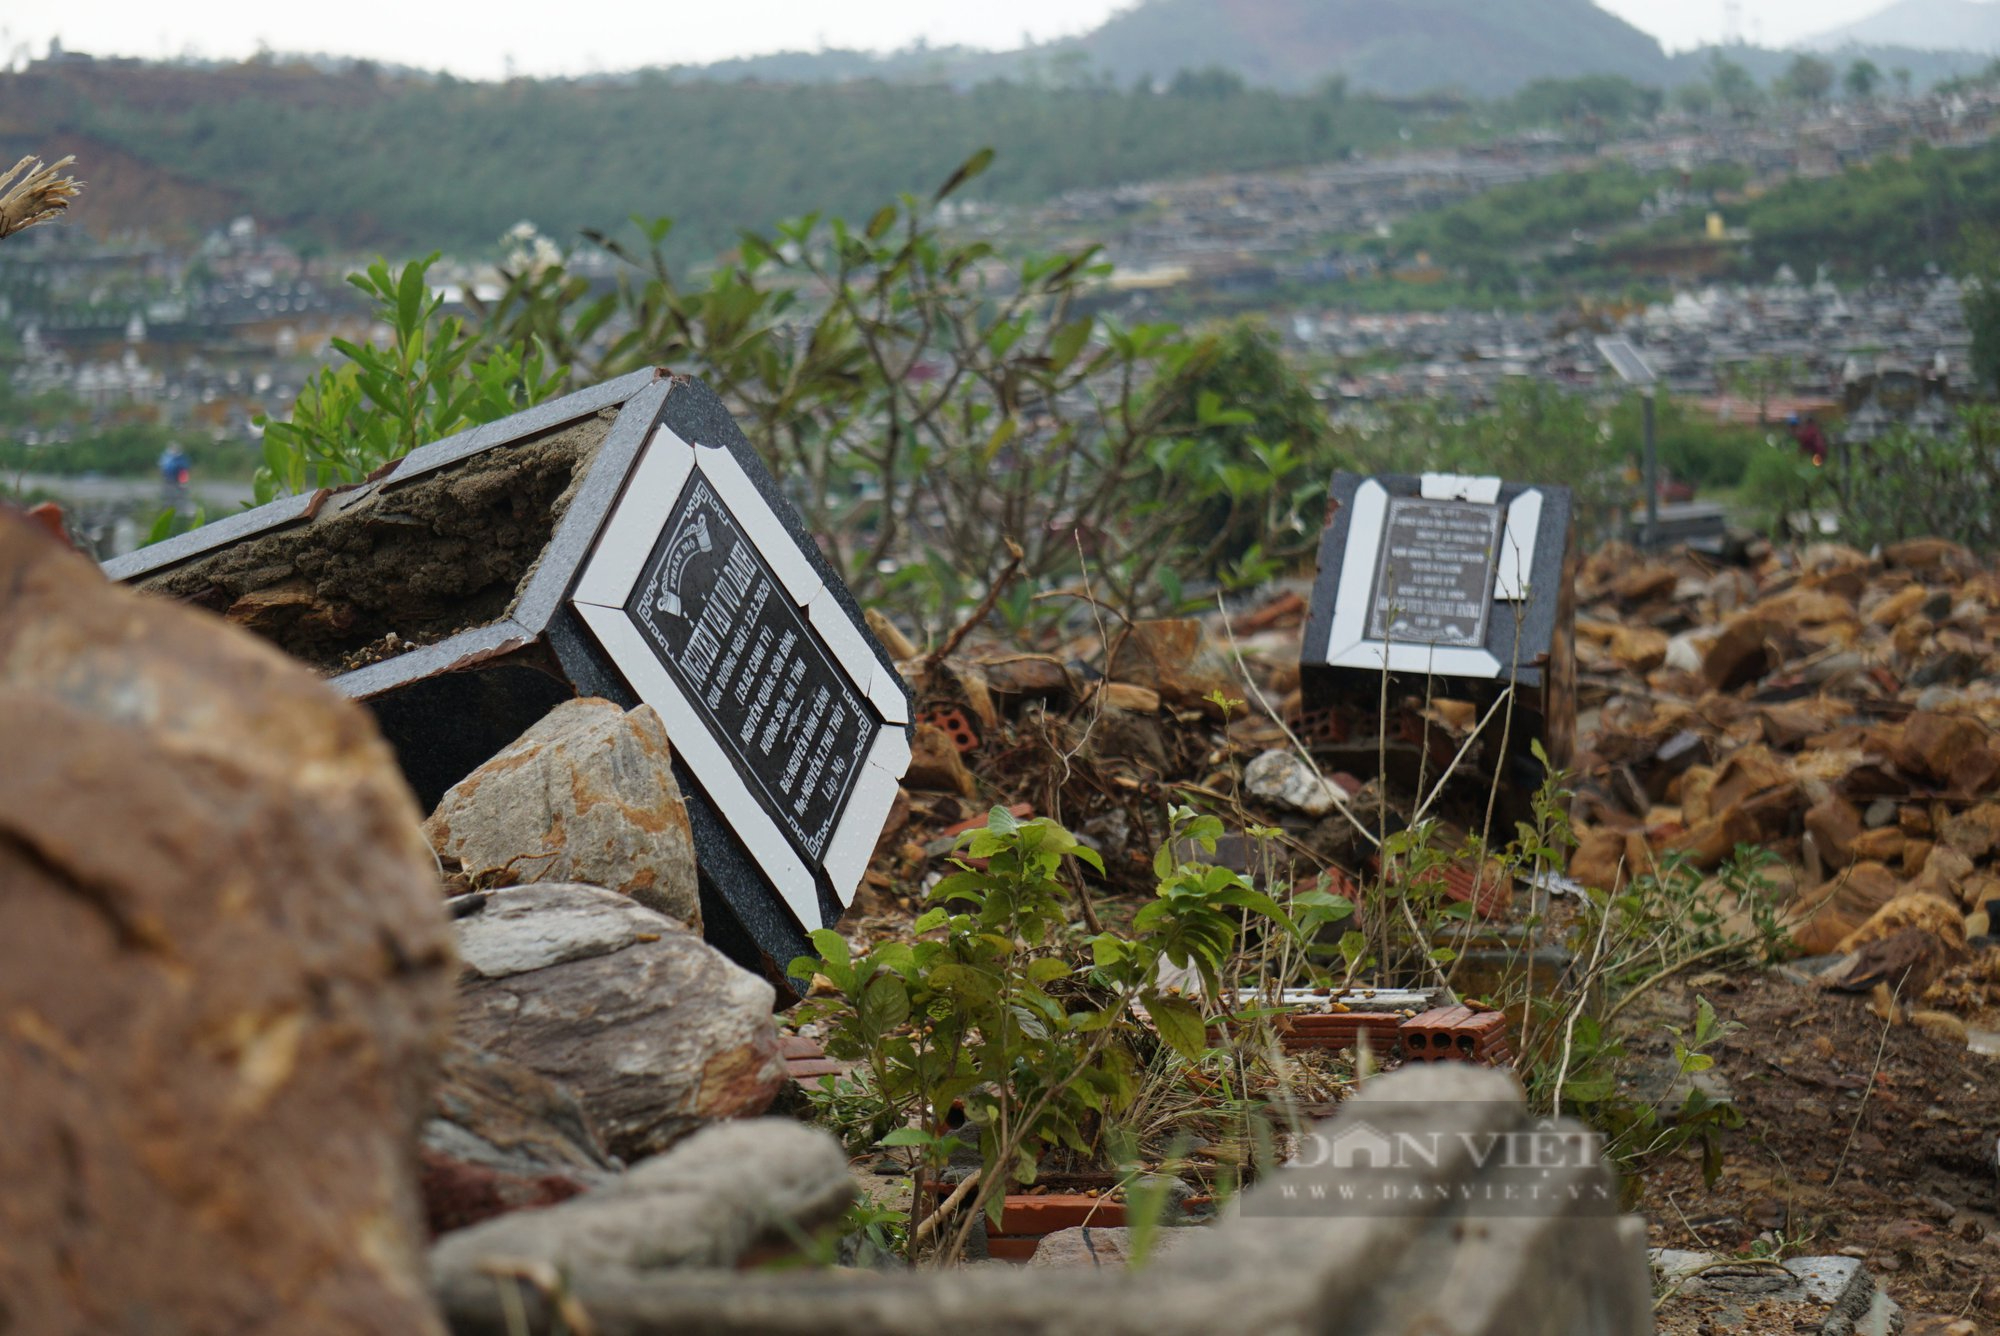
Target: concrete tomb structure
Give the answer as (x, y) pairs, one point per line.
(625, 542)
(1456, 587)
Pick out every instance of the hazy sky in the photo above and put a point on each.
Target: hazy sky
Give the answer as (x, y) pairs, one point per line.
(578, 36)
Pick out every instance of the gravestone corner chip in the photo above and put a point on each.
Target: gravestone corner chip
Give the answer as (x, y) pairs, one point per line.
(624, 541)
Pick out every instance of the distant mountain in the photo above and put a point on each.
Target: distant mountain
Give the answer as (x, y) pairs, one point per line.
(1764, 64)
(1927, 25)
(1396, 47)
(1486, 47)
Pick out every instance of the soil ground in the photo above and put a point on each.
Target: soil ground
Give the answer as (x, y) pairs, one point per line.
(1859, 1139)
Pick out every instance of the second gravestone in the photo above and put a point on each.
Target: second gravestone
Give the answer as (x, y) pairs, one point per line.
(1441, 576)
(623, 542)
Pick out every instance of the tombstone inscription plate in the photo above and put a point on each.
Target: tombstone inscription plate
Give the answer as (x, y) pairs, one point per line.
(1441, 576)
(626, 542)
(708, 605)
(1434, 576)
(797, 731)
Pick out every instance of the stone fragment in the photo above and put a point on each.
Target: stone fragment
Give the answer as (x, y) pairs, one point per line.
(1175, 657)
(1951, 750)
(652, 1030)
(1272, 1267)
(1090, 1246)
(1897, 606)
(1281, 777)
(460, 1193)
(1927, 913)
(1945, 874)
(1841, 905)
(1836, 824)
(1711, 843)
(1604, 859)
(585, 795)
(1974, 832)
(1684, 653)
(493, 1111)
(224, 977)
(1928, 555)
(710, 1202)
(1696, 785)
(936, 765)
(503, 1138)
(1912, 635)
(1883, 846)
(1740, 654)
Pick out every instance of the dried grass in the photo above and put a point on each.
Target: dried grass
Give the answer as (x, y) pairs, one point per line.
(39, 196)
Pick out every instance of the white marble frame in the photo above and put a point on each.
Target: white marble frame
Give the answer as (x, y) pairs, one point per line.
(1348, 645)
(605, 584)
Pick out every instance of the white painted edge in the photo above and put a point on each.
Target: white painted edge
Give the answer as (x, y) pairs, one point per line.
(886, 694)
(1515, 561)
(1357, 568)
(1459, 487)
(634, 526)
(891, 753)
(774, 541)
(850, 649)
(854, 839)
(711, 766)
(1431, 660)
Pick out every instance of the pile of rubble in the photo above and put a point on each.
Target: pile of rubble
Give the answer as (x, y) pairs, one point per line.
(1835, 708)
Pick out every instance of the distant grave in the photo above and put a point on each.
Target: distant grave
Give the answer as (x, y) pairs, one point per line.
(1455, 587)
(623, 542)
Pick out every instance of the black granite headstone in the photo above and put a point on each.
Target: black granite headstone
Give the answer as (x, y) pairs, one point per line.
(1447, 577)
(623, 542)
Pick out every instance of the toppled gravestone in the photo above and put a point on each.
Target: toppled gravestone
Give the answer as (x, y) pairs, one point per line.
(651, 1029)
(623, 542)
(587, 795)
(1291, 1259)
(224, 977)
(1461, 579)
(708, 1202)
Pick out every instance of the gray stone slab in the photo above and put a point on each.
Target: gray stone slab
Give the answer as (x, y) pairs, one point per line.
(1443, 1270)
(157, 557)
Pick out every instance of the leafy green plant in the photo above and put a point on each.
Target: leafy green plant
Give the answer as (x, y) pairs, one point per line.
(378, 404)
(926, 398)
(1586, 1081)
(1910, 483)
(992, 1013)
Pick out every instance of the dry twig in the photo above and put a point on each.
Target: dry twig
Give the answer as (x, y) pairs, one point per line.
(39, 196)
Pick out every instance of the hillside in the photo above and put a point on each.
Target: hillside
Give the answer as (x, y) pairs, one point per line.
(1931, 25)
(1486, 47)
(357, 160)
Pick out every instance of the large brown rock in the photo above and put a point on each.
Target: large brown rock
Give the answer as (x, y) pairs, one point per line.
(585, 795)
(224, 978)
(653, 1031)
